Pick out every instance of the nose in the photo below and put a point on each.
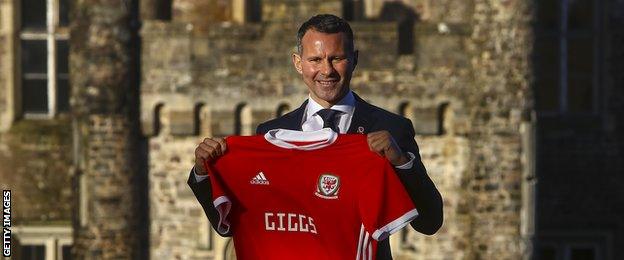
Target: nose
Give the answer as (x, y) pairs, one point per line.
(327, 68)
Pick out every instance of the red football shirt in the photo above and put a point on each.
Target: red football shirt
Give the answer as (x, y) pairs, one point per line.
(307, 195)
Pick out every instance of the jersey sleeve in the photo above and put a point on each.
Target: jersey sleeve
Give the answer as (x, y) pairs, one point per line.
(221, 201)
(384, 205)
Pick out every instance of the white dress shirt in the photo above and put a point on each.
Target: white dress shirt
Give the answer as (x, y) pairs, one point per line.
(312, 122)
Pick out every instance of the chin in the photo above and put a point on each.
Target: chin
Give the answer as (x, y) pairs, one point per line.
(333, 98)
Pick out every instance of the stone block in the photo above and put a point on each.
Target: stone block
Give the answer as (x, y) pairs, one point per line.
(298, 11)
(223, 123)
(426, 121)
(201, 13)
(182, 122)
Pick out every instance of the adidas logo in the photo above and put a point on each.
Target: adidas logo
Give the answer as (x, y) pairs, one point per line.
(260, 179)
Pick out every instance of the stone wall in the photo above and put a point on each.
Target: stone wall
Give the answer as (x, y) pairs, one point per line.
(500, 48)
(465, 86)
(6, 64)
(111, 219)
(201, 13)
(4, 5)
(465, 95)
(35, 164)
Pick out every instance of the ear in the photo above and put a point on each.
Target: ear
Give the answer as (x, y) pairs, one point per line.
(355, 58)
(296, 59)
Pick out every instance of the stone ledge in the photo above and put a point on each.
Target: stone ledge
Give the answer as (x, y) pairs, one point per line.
(180, 115)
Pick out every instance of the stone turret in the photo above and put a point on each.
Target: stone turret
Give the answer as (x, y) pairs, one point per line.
(103, 96)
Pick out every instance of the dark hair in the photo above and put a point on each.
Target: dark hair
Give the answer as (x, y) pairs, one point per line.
(325, 23)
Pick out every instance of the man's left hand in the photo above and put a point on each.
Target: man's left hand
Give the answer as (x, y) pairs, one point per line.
(382, 143)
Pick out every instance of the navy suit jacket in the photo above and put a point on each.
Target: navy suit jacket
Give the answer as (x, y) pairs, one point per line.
(366, 119)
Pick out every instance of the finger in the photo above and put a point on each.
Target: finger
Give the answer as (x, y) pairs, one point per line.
(201, 155)
(378, 144)
(214, 145)
(377, 148)
(222, 145)
(204, 147)
(209, 141)
(371, 139)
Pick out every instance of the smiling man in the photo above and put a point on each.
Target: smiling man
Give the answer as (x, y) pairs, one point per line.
(326, 58)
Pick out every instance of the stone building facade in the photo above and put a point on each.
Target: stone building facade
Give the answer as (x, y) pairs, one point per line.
(195, 79)
(151, 79)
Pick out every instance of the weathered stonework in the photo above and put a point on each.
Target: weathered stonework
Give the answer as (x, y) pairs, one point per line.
(35, 164)
(109, 223)
(500, 47)
(465, 85)
(467, 117)
(7, 55)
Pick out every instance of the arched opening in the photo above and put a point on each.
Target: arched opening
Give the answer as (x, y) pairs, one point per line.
(406, 110)
(253, 11)
(243, 120)
(163, 10)
(199, 119)
(282, 109)
(156, 120)
(353, 10)
(406, 17)
(443, 115)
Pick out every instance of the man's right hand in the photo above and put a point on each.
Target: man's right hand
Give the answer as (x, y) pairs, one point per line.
(208, 150)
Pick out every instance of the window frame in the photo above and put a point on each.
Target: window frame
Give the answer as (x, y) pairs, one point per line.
(563, 36)
(52, 34)
(53, 238)
(563, 242)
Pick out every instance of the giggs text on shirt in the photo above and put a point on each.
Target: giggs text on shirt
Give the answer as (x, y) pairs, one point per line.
(289, 222)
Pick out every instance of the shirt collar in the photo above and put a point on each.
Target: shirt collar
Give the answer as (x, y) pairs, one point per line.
(345, 105)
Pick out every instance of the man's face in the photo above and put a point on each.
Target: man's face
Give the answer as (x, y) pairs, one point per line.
(326, 63)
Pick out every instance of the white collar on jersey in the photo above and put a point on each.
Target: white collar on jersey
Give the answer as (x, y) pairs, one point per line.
(283, 138)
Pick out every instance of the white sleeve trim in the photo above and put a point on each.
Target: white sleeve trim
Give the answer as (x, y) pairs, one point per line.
(395, 225)
(199, 178)
(407, 165)
(223, 206)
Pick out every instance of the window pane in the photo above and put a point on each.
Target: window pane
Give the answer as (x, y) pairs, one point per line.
(62, 57)
(63, 13)
(583, 254)
(34, 14)
(580, 95)
(34, 56)
(35, 95)
(580, 14)
(547, 253)
(547, 93)
(548, 15)
(546, 68)
(67, 252)
(546, 55)
(62, 93)
(580, 56)
(33, 252)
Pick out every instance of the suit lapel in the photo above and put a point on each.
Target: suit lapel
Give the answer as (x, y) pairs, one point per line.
(359, 122)
(294, 123)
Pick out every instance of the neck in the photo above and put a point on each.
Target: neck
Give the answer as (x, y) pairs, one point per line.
(326, 103)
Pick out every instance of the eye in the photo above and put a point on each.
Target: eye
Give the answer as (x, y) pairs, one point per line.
(338, 59)
(315, 59)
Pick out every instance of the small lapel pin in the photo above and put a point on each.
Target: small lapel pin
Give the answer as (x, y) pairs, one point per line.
(360, 130)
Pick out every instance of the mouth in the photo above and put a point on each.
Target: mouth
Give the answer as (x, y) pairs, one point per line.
(327, 83)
